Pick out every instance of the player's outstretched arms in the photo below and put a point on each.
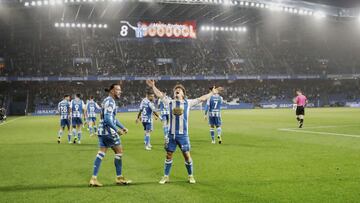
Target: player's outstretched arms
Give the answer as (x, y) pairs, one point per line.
(158, 93)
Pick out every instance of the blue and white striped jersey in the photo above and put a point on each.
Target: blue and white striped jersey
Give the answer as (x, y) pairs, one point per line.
(164, 109)
(213, 106)
(179, 115)
(64, 109)
(147, 108)
(77, 108)
(91, 107)
(109, 110)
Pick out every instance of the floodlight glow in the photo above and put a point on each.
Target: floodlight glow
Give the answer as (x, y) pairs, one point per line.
(26, 4)
(319, 14)
(62, 24)
(246, 3)
(100, 26)
(89, 25)
(83, 25)
(56, 24)
(73, 25)
(94, 25)
(67, 25)
(78, 25)
(33, 3)
(241, 3)
(105, 26)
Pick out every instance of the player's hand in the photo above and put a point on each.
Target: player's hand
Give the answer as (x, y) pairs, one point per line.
(217, 90)
(125, 130)
(150, 83)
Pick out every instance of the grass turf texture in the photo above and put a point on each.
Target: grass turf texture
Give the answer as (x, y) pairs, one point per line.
(256, 162)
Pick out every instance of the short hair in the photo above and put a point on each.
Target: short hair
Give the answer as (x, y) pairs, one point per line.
(91, 97)
(78, 95)
(112, 86)
(66, 95)
(181, 87)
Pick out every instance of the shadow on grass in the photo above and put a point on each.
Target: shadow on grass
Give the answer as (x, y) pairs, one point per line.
(24, 188)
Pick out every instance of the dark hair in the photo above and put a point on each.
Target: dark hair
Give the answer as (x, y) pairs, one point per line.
(181, 87)
(212, 87)
(112, 86)
(78, 95)
(91, 97)
(66, 95)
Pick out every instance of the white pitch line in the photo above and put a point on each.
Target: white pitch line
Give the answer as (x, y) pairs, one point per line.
(319, 133)
(325, 126)
(7, 122)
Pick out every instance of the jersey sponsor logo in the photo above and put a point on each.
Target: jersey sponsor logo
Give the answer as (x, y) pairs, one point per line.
(178, 111)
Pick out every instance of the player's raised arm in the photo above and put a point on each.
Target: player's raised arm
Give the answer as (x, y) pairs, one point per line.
(215, 90)
(158, 93)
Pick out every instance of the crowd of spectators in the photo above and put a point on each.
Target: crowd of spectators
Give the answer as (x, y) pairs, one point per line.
(258, 52)
(319, 92)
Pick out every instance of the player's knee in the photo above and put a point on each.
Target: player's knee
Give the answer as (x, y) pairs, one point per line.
(118, 156)
(169, 155)
(301, 116)
(211, 127)
(100, 154)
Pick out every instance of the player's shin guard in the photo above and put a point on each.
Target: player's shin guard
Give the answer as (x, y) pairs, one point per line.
(97, 163)
(74, 133)
(219, 131)
(167, 167)
(212, 134)
(189, 167)
(69, 137)
(118, 164)
(60, 134)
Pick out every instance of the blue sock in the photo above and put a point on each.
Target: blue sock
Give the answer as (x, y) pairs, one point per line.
(94, 129)
(69, 137)
(219, 131)
(147, 139)
(189, 167)
(118, 164)
(60, 133)
(90, 130)
(79, 135)
(167, 166)
(212, 133)
(97, 162)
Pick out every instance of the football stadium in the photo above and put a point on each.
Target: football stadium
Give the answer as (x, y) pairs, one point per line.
(179, 101)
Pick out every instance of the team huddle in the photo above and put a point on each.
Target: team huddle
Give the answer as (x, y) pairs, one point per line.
(173, 112)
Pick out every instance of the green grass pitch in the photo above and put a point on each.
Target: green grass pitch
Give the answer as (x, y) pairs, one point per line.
(264, 158)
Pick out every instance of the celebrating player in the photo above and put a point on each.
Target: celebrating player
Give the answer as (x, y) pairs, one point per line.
(178, 133)
(164, 115)
(213, 113)
(90, 114)
(300, 101)
(109, 133)
(64, 111)
(147, 108)
(77, 107)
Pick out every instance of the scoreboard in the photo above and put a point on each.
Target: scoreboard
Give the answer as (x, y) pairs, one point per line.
(146, 29)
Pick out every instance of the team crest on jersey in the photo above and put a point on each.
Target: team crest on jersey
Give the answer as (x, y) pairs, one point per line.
(178, 111)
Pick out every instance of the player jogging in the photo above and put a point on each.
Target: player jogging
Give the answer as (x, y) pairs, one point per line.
(213, 113)
(90, 114)
(147, 108)
(77, 107)
(178, 133)
(300, 101)
(64, 111)
(109, 133)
